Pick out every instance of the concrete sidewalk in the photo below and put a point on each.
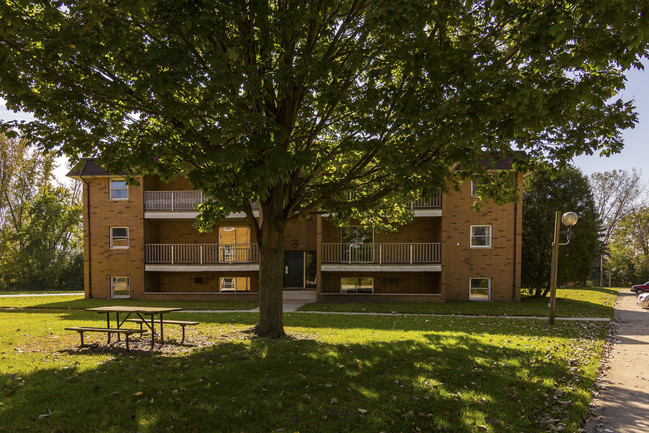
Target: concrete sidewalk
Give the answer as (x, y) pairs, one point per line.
(622, 403)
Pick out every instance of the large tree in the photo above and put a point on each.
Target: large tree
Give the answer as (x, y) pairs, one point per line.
(40, 222)
(616, 194)
(545, 192)
(349, 107)
(629, 247)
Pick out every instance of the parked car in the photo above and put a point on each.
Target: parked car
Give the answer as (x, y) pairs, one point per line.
(640, 288)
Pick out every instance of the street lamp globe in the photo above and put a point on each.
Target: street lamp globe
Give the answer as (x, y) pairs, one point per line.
(569, 219)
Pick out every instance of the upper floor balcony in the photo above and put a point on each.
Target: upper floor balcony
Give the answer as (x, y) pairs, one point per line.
(183, 204)
(202, 257)
(179, 204)
(393, 257)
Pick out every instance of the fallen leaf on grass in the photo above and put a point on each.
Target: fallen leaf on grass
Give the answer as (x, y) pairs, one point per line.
(45, 415)
(362, 411)
(333, 401)
(138, 394)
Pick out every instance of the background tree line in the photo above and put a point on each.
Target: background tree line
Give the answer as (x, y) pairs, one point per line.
(610, 240)
(41, 234)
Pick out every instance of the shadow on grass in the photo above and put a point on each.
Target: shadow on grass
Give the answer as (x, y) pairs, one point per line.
(80, 304)
(576, 302)
(304, 385)
(319, 322)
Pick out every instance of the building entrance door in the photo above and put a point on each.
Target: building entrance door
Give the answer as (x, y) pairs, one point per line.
(293, 268)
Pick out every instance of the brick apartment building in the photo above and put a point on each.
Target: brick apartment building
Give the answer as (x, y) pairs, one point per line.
(140, 242)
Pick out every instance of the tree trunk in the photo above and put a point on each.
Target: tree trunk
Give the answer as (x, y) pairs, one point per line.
(271, 277)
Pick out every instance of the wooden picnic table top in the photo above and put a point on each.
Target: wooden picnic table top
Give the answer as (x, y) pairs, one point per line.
(133, 309)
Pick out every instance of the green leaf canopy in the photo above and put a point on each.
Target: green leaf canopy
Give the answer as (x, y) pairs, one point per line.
(320, 99)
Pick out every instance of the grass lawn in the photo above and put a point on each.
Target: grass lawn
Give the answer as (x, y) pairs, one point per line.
(336, 373)
(571, 302)
(80, 303)
(38, 292)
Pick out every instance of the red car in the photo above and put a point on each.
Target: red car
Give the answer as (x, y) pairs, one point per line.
(640, 288)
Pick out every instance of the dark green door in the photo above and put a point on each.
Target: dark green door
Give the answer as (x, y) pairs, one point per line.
(293, 268)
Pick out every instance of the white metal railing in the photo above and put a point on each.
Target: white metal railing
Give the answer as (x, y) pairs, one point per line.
(434, 202)
(172, 200)
(392, 253)
(176, 200)
(201, 254)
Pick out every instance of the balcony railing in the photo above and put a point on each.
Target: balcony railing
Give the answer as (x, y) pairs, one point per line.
(201, 254)
(179, 201)
(172, 200)
(175, 201)
(427, 202)
(392, 253)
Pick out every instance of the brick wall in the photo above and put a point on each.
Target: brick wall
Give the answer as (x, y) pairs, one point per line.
(384, 282)
(184, 232)
(102, 214)
(419, 230)
(300, 236)
(501, 262)
(184, 281)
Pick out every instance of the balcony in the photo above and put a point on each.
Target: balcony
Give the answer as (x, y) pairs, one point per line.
(183, 204)
(202, 257)
(172, 201)
(386, 257)
(427, 202)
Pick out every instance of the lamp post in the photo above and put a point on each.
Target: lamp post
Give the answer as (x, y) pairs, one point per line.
(568, 219)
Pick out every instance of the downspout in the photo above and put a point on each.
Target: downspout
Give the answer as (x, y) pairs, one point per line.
(515, 250)
(89, 231)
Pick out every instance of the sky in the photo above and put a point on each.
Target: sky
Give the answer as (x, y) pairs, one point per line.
(634, 154)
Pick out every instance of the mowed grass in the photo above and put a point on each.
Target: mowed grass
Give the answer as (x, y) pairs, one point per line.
(335, 373)
(80, 303)
(36, 292)
(571, 302)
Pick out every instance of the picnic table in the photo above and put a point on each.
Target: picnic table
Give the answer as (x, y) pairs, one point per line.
(145, 314)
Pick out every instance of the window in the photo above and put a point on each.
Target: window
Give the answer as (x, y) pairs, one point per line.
(481, 236)
(356, 285)
(234, 284)
(120, 287)
(228, 284)
(118, 190)
(200, 280)
(475, 187)
(480, 289)
(391, 281)
(119, 237)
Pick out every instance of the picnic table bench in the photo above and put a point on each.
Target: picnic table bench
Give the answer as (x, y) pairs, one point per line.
(82, 329)
(182, 323)
(146, 314)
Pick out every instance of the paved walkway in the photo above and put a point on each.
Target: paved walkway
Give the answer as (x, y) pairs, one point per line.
(622, 403)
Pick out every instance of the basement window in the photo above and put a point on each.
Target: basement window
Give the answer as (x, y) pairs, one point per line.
(480, 289)
(356, 285)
